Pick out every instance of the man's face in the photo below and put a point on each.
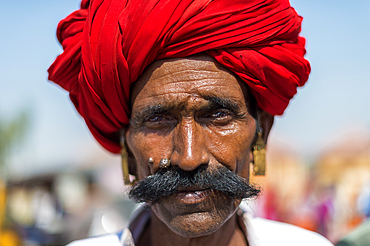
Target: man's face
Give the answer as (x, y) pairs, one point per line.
(193, 112)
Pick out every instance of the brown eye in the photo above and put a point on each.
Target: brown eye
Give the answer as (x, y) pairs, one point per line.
(156, 119)
(221, 117)
(159, 121)
(220, 114)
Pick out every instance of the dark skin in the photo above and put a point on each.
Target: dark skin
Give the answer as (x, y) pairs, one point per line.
(193, 112)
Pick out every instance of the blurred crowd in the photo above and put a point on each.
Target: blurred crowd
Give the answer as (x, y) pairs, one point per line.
(329, 195)
(55, 209)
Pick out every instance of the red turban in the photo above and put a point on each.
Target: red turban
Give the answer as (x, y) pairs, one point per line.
(108, 44)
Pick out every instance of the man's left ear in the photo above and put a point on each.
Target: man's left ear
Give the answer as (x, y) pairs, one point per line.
(258, 147)
(266, 122)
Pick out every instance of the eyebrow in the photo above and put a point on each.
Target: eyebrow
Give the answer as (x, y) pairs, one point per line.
(222, 102)
(215, 102)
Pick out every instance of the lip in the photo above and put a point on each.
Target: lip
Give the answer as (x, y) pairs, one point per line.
(193, 196)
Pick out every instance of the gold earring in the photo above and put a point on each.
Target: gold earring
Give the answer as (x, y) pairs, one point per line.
(124, 161)
(259, 153)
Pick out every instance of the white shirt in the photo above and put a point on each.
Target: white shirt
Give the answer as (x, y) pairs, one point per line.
(261, 232)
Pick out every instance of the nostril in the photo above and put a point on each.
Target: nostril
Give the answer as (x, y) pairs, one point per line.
(190, 159)
(189, 163)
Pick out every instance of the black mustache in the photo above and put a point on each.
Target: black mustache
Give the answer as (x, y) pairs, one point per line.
(169, 181)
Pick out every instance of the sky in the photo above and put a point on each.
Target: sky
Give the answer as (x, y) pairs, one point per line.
(334, 101)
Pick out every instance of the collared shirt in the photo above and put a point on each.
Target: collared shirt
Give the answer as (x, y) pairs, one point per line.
(260, 232)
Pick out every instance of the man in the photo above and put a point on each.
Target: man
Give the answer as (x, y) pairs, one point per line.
(188, 89)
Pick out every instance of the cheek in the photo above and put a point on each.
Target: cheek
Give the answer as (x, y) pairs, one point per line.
(233, 148)
(145, 146)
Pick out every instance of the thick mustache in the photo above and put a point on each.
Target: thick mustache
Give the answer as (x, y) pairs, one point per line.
(169, 181)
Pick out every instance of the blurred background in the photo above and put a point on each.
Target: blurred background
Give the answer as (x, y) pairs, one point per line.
(57, 184)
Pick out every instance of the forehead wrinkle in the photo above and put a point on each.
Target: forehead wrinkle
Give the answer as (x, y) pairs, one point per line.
(188, 74)
(174, 83)
(199, 91)
(163, 67)
(190, 69)
(202, 89)
(196, 84)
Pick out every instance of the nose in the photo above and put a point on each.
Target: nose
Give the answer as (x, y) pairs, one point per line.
(189, 146)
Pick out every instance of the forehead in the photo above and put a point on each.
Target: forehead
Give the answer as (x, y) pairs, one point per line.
(175, 79)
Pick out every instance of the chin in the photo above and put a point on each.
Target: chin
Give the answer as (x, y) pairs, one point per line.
(197, 224)
(195, 220)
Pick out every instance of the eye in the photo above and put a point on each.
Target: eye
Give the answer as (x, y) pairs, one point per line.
(159, 121)
(156, 118)
(220, 114)
(220, 117)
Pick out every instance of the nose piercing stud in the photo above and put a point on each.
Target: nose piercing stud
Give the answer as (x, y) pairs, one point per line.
(164, 163)
(151, 161)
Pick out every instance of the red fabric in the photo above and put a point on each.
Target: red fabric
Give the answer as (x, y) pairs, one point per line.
(108, 43)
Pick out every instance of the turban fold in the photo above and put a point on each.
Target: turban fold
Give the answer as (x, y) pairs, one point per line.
(108, 44)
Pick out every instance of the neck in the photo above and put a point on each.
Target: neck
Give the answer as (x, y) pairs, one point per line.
(229, 234)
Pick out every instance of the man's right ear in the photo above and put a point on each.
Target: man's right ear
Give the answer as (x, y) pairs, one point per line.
(127, 160)
(131, 163)
(130, 158)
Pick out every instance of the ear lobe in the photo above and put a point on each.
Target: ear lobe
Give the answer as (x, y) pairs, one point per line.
(251, 157)
(131, 164)
(266, 121)
(131, 159)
